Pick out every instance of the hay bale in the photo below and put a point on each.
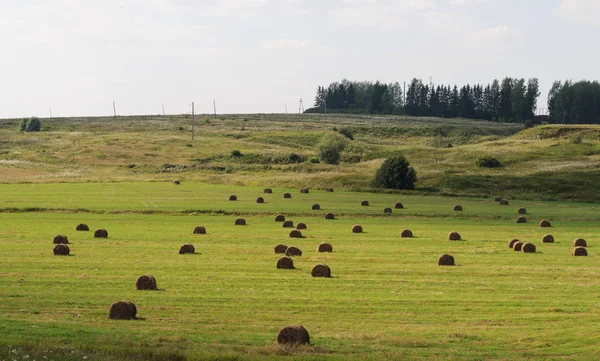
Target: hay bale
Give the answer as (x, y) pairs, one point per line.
(280, 248)
(545, 223)
(177, 182)
(267, 191)
(321, 270)
(329, 216)
(293, 251)
(187, 248)
(288, 224)
(287, 195)
(329, 189)
(61, 250)
(387, 211)
(512, 242)
(285, 263)
(446, 260)
(458, 208)
(60, 239)
(325, 247)
(304, 190)
(233, 197)
(357, 228)
(518, 246)
(522, 211)
(398, 205)
(528, 248)
(199, 230)
(260, 200)
(454, 236)
(145, 283)
(293, 335)
(294, 233)
(280, 218)
(547, 238)
(497, 199)
(301, 226)
(579, 242)
(364, 203)
(316, 207)
(579, 252)
(122, 310)
(503, 202)
(101, 233)
(240, 222)
(406, 233)
(521, 220)
(82, 227)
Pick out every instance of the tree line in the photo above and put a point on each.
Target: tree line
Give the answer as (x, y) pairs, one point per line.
(574, 103)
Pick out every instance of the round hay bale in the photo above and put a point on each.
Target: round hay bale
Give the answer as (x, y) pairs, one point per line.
(82, 227)
(61, 250)
(364, 203)
(294, 233)
(280, 218)
(545, 223)
(579, 242)
(316, 207)
(329, 189)
(177, 182)
(122, 310)
(387, 211)
(522, 211)
(293, 251)
(145, 283)
(406, 233)
(518, 246)
(325, 247)
(579, 252)
(287, 195)
(280, 248)
(301, 226)
(446, 260)
(200, 230)
(528, 248)
(547, 238)
(321, 270)
(101, 233)
(329, 216)
(521, 220)
(240, 222)
(60, 239)
(357, 228)
(497, 199)
(503, 202)
(267, 191)
(285, 263)
(293, 335)
(304, 190)
(288, 224)
(454, 236)
(260, 200)
(458, 208)
(233, 197)
(512, 242)
(187, 248)
(398, 205)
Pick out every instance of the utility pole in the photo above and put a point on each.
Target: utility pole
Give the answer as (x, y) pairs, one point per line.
(300, 106)
(215, 107)
(193, 121)
(404, 95)
(114, 109)
(163, 108)
(285, 108)
(50, 113)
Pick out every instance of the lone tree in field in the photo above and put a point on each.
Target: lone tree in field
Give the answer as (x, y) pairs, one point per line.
(330, 148)
(395, 173)
(30, 125)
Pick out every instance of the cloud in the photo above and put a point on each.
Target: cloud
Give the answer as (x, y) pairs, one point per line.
(468, 2)
(584, 12)
(379, 13)
(493, 37)
(285, 44)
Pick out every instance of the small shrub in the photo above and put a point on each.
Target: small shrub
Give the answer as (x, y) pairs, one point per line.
(314, 160)
(395, 173)
(576, 139)
(32, 124)
(188, 145)
(294, 158)
(206, 121)
(488, 162)
(330, 148)
(346, 133)
(236, 153)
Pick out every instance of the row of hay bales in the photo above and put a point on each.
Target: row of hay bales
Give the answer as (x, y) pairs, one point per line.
(579, 245)
(61, 241)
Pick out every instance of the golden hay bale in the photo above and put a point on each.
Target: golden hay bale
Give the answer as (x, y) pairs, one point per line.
(293, 251)
(294, 233)
(364, 203)
(288, 224)
(280, 248)
(280, 218)
(101, 233)
(512, 242)
(328, 189)
(329, 216)
(547, 238)
(61, 250)
(398, 205)
(260, 200)
(454, 236)
(545, 223)
(321, 270)
(446, 260)
(285, 263)
(387, 211)
(521, 220)
(82, 227)
(304, 190)
(579, 252)
(325, 247)
(267, 191)
(357, 228)
(579, 242)
(458, 208)
(187, 248)
(497, 199)
(522, 211)
(293, 335)
(518, 246)
(528, 248)
(240, 222)
(406, 233)
(122, 310)
(503, 202)
(233, 197)
(200, 230)
(60, 239)
(145, 283)
(177, 182)
(316, 207)
(301, 226)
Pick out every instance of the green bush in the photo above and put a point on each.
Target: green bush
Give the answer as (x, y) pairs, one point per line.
(236, 153)
(346, 132)
(295, 158)
(330, 147)
(488, 162)
(577, 139)
(32, 124)
(395, 173)
(314, 160)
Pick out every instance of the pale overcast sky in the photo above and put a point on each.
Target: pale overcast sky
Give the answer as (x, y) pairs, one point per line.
(77, 56)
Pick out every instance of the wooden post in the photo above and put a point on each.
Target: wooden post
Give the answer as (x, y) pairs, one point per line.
(192, 120)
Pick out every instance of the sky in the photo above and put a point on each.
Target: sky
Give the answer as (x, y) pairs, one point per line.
(75, 57)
